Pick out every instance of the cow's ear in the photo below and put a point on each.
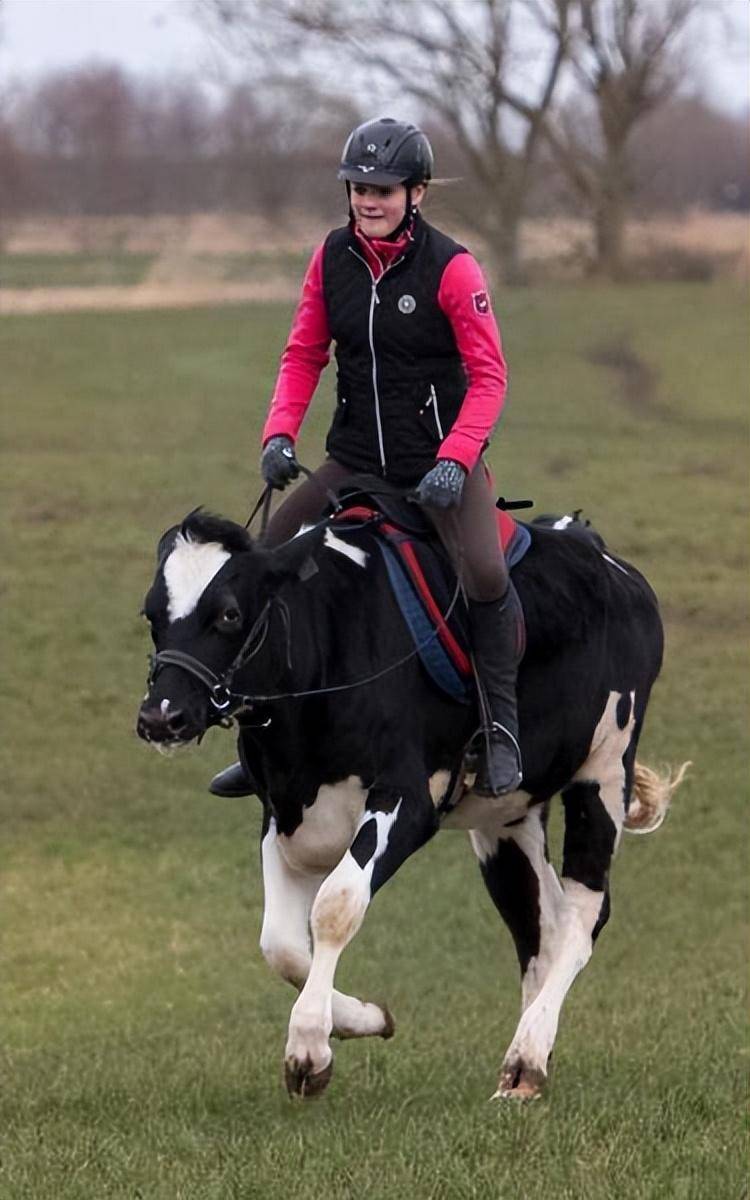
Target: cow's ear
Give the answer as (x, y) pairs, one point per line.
(289, 561)
(166, 543)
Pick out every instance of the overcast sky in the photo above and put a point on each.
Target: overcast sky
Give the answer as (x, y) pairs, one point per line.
(161, 37)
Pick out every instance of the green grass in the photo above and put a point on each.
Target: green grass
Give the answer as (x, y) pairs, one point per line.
(258, 266)
(73, 270)
(142, 1033)
(126, 270)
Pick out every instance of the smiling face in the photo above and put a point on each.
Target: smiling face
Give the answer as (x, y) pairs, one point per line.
(380, 210)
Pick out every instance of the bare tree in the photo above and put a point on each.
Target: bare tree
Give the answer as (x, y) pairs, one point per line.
(625, 55)
(452, 59)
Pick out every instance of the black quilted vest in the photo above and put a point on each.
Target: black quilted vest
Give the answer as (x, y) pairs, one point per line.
(400, 382)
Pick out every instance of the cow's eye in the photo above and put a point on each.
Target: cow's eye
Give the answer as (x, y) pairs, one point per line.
(230, 618)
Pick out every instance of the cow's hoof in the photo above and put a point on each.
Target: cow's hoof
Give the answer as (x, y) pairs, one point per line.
(520, 1082)
(390, 1025)
(300, 1080)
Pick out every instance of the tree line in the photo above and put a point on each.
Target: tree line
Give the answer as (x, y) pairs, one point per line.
(620, 138)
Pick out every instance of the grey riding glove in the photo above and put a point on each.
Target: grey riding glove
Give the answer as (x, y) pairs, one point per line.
(278, 464)
(443, 485)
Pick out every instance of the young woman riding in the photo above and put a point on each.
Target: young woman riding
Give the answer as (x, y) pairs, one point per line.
(421, 384)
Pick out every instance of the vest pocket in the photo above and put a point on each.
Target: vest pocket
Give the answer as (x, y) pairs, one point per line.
(429, 411)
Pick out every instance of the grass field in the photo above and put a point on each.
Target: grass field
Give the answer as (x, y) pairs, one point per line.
(73, 270)
(126, 269)
(142, 1032)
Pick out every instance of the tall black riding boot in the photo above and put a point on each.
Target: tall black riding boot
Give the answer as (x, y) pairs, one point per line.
(497, 641)
(233, 781)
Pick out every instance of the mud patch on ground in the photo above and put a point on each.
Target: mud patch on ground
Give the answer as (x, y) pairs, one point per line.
(560, 466)
(638, 381)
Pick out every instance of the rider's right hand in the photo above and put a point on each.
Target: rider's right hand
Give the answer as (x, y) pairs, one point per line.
(278, 464)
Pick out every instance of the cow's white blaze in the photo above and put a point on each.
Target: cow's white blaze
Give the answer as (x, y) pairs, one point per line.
(188, 571)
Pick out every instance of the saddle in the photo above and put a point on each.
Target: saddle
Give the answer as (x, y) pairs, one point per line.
(422, 578)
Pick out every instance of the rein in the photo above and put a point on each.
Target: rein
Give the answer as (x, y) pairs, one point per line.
(221, 696)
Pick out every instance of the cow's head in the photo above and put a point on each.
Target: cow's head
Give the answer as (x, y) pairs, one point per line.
(201, 606)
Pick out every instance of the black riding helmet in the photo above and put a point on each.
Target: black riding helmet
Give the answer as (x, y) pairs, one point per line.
(386, 151)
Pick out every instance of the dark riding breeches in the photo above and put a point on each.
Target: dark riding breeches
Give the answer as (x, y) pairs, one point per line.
(468, 533)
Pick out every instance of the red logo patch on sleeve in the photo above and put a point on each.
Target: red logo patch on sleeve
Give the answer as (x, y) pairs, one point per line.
(481, 303)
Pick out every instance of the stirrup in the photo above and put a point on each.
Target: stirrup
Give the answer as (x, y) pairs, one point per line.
(500, 769)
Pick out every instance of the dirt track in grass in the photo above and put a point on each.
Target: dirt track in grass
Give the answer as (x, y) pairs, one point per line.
(147, 296)
(191, 253)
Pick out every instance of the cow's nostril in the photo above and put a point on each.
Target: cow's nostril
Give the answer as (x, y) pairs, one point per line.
(176, 721)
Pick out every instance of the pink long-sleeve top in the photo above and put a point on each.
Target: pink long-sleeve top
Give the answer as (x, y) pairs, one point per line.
(464, 298)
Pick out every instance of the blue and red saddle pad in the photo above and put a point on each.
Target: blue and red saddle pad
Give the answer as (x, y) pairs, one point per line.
(424, 584)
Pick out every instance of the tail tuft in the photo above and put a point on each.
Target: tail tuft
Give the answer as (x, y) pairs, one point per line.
(652, 794)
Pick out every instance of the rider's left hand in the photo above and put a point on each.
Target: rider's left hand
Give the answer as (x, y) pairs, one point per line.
(442, 486)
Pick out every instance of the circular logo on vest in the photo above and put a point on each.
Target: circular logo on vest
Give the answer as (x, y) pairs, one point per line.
(407, 304)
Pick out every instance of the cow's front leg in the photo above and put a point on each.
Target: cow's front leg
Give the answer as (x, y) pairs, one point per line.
(394, 825)
(285, 939)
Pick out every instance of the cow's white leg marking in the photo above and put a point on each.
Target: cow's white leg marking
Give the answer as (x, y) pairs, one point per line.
(289, 895)
(604, 763)
(337, 913)
(525, 1064)
(285, 939)
(328, 827)
(529, 837)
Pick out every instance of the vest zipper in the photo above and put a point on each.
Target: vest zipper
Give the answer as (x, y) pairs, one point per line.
(374, 299)
(434, 402)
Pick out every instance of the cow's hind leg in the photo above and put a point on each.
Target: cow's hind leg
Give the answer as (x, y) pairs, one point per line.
(392, 828)
(285, 940)
(526, 891)
(595, 805)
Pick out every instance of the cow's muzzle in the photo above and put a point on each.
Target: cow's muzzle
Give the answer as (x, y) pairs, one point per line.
(164, 725)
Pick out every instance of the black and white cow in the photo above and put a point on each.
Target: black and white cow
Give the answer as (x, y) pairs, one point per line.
(355, 779)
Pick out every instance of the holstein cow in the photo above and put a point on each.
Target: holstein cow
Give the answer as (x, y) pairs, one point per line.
(359, 758)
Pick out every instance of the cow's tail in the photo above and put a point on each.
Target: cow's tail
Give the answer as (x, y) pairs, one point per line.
(652, 795)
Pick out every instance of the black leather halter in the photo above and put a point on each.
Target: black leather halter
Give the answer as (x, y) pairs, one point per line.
(219, 687)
